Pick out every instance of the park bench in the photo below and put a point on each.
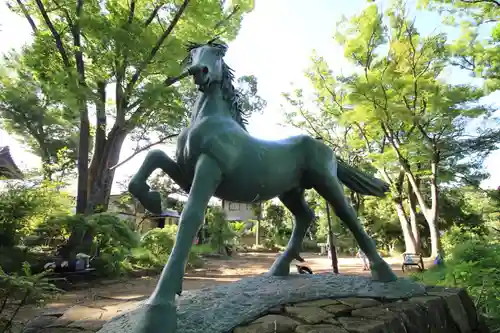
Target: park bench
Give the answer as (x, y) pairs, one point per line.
(412, 259)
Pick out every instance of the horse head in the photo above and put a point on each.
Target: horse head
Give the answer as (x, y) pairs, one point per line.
(205, 63)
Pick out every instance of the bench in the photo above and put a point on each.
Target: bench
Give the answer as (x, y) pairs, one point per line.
(412, 259)
(323, 249)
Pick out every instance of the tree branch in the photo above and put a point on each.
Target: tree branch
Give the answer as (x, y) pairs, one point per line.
(131, 12)
(494, 2)
(153, 15)
(55, 34)
(140, 150)
(154, 50)
(26, 15)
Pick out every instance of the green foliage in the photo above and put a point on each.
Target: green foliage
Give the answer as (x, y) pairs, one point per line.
(277, 223)
(28, 112)
(159, 242)
(238, 227)
(472, 264)
(110, 231)
(393, 110)
(23, 208)
(221, 233)
(382, 223)
(471, 51)
(459, 235)
(59, 227)
(22, 289)
(80, 54)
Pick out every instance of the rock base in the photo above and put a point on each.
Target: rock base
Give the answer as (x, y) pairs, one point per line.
(223, 308)
(442, 310)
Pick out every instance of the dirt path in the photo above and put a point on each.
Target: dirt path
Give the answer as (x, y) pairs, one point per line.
(103, 300)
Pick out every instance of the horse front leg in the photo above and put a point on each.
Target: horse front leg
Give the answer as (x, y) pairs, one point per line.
(160, 309)
(155, 159)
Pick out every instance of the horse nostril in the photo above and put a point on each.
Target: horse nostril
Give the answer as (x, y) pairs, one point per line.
(204, 70)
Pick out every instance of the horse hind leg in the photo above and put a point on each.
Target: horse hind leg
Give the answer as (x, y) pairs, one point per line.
(295, 202)
(155, 159)
(328, 186)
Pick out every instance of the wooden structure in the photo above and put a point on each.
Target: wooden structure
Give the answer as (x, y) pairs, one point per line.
(8, 168)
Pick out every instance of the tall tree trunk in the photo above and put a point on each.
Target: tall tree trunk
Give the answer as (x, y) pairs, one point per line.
(410, 244)
(101, 179)
(412, 201)
(431, 213)
(397, 194)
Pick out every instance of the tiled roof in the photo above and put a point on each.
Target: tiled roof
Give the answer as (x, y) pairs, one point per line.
(8, 167)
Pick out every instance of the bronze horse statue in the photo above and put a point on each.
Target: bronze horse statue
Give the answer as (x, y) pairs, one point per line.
(216, 156)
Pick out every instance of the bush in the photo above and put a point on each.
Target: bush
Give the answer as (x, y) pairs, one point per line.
(115, 239)
(474, 265)
(22, 289)
(23, 208)
(220, 231)
(457, 235)
(238, 227)
(159, 242)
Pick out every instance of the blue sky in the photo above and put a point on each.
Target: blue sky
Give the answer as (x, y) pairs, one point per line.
(274, 44)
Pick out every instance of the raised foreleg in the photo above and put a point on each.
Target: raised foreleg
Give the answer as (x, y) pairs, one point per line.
(160, 309)
(295, 202)
(155, 159)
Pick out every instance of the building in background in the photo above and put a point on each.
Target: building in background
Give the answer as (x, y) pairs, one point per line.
(8, 168)
(236, 211)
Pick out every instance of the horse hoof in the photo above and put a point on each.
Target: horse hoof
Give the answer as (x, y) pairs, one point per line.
(153, 202)
(158, 318)
(280, 269)
(382, 272)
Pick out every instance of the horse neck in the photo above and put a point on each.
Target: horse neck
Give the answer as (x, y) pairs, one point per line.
(210, 103)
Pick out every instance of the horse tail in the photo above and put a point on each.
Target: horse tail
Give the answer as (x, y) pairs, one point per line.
(361, 182)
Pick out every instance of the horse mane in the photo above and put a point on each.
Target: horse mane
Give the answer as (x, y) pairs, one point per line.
(230, 93)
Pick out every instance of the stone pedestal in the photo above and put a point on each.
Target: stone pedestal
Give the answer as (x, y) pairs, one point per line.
(240, 306)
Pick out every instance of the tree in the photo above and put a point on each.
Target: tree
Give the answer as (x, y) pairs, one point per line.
(480, 56)
(277, 222)
(30, 113)
(400, 115)
(128, 49)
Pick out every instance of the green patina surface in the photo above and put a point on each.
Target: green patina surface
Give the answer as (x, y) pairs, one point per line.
(216, 156)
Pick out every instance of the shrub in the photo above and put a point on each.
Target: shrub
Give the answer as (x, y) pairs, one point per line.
(474, 265)
(59, 227)
(457, 235)
(115, 239)
(219, 229)
(238, 226)
(22, 289)
(23, 208)
(159, 242)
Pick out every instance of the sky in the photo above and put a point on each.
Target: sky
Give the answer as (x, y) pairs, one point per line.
(275, 44)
